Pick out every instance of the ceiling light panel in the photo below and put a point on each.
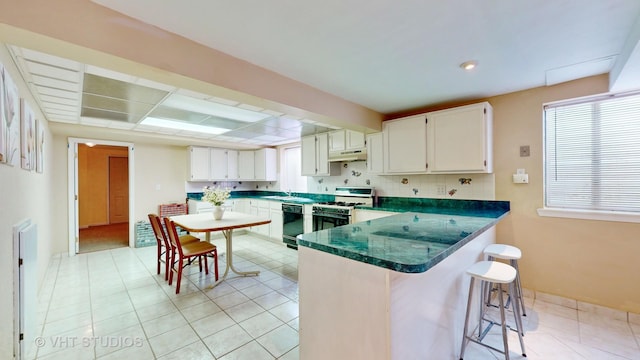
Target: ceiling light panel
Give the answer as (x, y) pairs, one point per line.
(243, 134)
(178, 114)
(178, 125)
(207, 107)
(136, 109)
(109, 74)
(282, 122)
(105, 114)
(97, 85)
(223, 101)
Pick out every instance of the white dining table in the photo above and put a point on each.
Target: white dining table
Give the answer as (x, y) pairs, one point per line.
(205, 223)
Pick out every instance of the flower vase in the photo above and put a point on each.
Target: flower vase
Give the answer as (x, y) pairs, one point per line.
(218, 211)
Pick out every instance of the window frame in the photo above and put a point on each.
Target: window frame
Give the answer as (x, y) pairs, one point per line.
(284, 181)
(580, 213)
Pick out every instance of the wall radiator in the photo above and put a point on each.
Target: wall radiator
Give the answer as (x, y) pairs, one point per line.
(25, 240)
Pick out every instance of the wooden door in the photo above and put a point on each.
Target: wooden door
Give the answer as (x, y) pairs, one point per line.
(118, 189)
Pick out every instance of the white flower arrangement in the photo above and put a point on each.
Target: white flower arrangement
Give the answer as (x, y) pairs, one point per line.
(216, 196)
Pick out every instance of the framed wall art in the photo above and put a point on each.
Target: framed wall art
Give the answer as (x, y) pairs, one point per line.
(39, 146)
(9, 119)
(28, 135)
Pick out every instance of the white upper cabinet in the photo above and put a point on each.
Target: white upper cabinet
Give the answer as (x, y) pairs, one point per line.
(198, 163)
(308, 155)
(246, 165)
(315, 156)
(345, 140)
(375, 154)
(405, 145)
(266, 164)
(224, 164)
(460, 139)
(451, 141)
(207, 164)
(354, 140)
(336, 140)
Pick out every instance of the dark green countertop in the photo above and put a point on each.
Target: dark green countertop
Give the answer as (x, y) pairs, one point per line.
(410, 242)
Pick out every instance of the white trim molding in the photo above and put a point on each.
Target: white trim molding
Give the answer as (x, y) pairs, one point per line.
(590, 215)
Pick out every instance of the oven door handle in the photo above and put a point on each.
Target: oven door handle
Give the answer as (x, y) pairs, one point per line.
(333, 216)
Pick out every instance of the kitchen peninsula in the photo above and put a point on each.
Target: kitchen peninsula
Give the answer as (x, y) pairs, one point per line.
(390, 288)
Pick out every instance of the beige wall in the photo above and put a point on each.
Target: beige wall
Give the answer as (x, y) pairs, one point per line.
(25, 195)
(160, 175)
(592, 261)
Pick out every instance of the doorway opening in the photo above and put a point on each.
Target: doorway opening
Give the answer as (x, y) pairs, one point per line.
(101, 195)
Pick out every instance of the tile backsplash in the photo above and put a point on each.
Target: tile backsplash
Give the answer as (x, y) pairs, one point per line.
(457, 186)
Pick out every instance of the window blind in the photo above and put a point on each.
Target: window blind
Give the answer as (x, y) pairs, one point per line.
(592, 154)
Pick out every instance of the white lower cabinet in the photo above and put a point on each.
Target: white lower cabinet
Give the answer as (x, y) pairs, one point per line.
(241, 206)
(275, 212)
(260, 208)
(308, 219)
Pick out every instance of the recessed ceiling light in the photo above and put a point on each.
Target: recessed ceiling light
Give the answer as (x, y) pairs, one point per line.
(469, 65)
(90, 144)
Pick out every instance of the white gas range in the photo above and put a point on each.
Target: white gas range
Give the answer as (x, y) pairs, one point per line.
(327, 215)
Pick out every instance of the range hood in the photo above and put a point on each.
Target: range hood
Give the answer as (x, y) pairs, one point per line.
(353, 155)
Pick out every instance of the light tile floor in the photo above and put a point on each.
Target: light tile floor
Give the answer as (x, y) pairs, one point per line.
(112, 305)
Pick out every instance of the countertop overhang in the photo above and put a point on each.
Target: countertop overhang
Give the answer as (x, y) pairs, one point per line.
(410, 242)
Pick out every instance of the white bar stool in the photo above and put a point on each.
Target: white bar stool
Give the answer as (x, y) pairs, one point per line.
(498, 273)
(513, 254)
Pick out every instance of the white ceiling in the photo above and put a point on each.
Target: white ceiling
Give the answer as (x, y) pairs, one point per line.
(73, 93)
(389, 56)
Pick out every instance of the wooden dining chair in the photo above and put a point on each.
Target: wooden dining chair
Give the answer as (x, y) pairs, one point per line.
(182, 252)
(164, 246)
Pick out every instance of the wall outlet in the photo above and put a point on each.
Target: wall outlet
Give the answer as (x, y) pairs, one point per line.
(441, 190)
(520, 178)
